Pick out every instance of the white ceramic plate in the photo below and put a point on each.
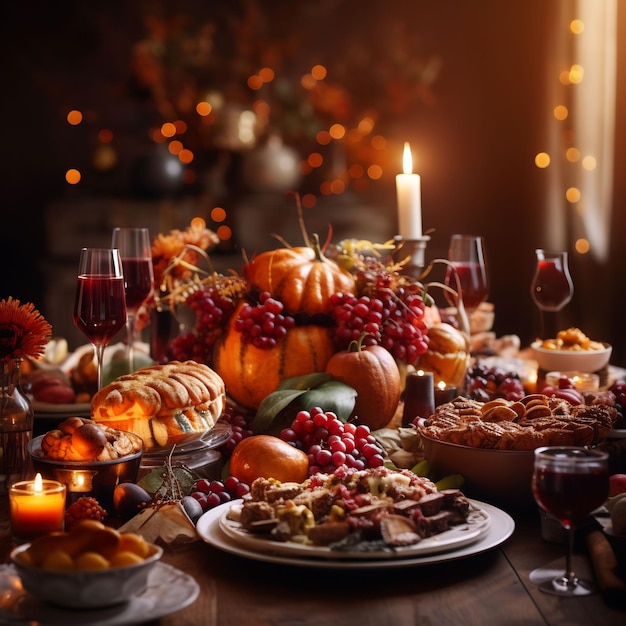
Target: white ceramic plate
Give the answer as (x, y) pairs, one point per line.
(59, 411)
(501, 528)
(168, 590)
(477, 524)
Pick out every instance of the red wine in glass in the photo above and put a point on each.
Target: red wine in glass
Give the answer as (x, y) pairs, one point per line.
(473, 279)
(468, 261)
(100, 302)
(551, 288)
(138, 277)
(100, 311)
(569, 483)
(135, 250)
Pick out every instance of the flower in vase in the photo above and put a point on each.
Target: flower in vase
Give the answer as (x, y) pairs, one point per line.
(24, 332)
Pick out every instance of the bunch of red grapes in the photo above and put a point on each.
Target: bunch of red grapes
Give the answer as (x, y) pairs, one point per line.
(212, 310)
(263, 324)
(618, 388)
(240, 426)
(212, 493)
(484, 383)
(392, 316)
(330, 443)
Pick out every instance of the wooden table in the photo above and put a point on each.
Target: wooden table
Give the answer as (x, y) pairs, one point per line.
(489, 588)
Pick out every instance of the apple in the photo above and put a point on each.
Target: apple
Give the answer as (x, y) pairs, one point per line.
(617, 484)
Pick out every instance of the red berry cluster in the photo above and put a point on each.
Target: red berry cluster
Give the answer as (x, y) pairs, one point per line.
(330, 443)
(263, 324)
(484, 383)
(212, 309)
(391, 317)
(240, 426)
(212, 493)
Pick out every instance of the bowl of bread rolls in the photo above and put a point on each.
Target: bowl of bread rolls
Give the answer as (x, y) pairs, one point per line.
(90, 567)
(87, 457)
(165, 405)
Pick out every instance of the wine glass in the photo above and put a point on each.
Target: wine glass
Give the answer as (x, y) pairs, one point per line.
(467, 256)
(100, 303)
(136, 255)
(551, 288)
(568, 482)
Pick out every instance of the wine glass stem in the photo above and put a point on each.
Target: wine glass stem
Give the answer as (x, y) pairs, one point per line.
(549, 323)
(130, 330)
(570, 577)
(99, 349)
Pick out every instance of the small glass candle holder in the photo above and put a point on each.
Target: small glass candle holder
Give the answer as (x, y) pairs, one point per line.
(583, 381)
(37, 507)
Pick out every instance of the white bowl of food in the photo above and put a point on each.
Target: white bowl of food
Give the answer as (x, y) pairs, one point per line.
(79, 572)
(565, 360)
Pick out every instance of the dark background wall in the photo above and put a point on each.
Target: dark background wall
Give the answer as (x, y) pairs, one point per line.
(476, 133)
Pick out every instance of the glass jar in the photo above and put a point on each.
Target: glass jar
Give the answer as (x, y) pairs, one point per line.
(16, 426)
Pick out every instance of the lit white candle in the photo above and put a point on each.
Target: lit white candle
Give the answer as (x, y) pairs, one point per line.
(409, 199)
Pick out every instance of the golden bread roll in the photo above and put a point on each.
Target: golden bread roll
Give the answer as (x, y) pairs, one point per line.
(163, 404)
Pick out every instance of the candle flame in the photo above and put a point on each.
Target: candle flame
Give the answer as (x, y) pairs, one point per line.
(441, 385)
(38, 483)
(407, 159)
(420, 372)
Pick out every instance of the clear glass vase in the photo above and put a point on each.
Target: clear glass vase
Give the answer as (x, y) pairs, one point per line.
(16, 426)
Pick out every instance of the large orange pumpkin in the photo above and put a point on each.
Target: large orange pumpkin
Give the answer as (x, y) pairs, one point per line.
(301, 278)
(375, 376)
(250, 373)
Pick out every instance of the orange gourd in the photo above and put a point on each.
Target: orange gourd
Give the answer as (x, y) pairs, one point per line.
(374, 374)
(302, 278)
(266, 456)
(447, 356)
(250, 373)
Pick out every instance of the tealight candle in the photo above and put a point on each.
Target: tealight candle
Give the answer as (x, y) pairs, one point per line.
(583, 381)
(37, 507)
(408, 189)
(443, 393)
(419, 399)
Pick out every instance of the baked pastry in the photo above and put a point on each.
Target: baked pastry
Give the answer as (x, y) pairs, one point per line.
(163, 404)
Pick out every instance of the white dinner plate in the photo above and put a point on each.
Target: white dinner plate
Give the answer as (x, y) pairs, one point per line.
(500, 529)
(61, 411)
(477, 525)
(168, 590)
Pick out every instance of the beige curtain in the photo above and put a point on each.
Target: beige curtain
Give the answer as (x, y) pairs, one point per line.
(587, 131)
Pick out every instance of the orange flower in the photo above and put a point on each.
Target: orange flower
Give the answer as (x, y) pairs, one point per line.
(174, 256)
(23, 330)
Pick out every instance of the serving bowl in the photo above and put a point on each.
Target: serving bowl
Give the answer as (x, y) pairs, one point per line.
(495, 476)
(88, 478)
(571, 360)
(85, 589)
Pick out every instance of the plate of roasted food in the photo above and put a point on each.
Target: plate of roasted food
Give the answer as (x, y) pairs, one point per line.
(363, 515)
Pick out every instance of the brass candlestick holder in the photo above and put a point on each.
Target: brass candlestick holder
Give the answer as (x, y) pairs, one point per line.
(412, 249)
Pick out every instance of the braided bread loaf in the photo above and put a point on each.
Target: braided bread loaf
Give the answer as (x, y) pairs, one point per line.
(163, 404)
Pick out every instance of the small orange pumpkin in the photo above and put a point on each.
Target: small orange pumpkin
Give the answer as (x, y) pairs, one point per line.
(302, 278)
(373, 373)
(447, 356)
(250, 373)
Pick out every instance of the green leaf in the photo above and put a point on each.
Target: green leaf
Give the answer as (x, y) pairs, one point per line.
(331, 396)
(271, 406)
(308, 381)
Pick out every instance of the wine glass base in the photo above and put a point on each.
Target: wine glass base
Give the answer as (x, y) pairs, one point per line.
(553, 581)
